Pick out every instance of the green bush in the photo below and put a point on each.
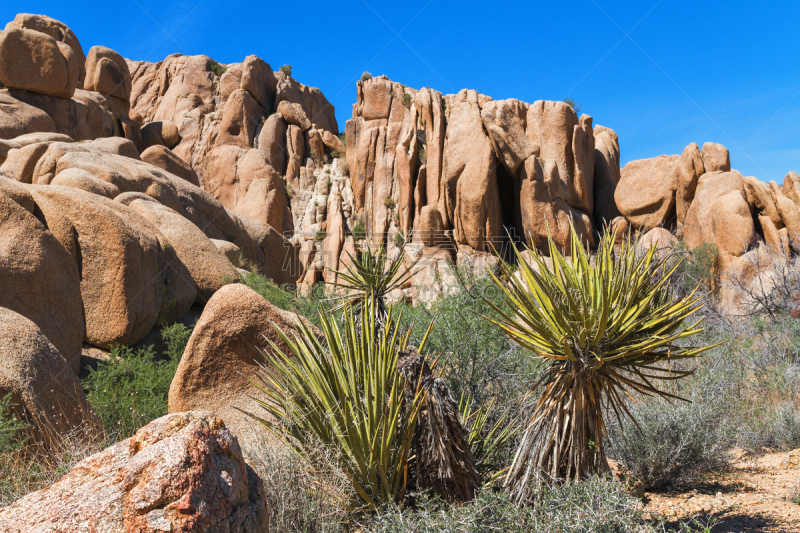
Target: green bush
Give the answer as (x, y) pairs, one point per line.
(287, 298)
(406, 100)
(11, 427)
(676, 441)
(218, 69)
(574, 105)
(359, 230)
(130, 389)
(287, 70)
(595, 505)
(365, 76)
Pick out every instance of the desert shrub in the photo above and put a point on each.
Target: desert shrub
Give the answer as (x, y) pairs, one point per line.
(287, 298)
(10, 427)
(359, 230)
(696, 268)
(320, 235)
(218, 69)
(474, 360)
(573, 104)
(130, 389)
(595, 505)
(399, 239)
(674, 441)
(423, 155)
(406, 100)
(786, 428)
(287, 70)
(300, 499)
(289, 190)
(389, 202)
(365, 76)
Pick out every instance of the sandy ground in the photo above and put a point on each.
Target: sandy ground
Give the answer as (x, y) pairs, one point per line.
(755, 495)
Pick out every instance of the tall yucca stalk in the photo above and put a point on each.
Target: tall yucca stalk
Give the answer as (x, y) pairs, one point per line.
(344, 391)
(368, 278)
(606, 325)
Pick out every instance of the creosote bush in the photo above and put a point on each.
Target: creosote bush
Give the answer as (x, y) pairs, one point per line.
(130, 389)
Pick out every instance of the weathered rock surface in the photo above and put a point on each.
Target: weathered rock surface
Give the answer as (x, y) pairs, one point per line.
(165, 159)
(222, 355)
(34, 61)
(645, 194)
(107, 72)
(45, 392)
(131, 279)
(55, 29)
(181, 472)
(38, 277)
(210, 270)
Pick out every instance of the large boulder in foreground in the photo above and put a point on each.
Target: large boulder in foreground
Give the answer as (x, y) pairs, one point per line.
(45, 392)
(222, 355)
(38, 277)
(182, 472)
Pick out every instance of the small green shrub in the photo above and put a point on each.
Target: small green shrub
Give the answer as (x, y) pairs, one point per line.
(359, 230)
(407, 100)
(423, 155)
(287, 70)
(676, 441)
(573, 104)
(287, 298)
(399, 239)
(320, 234)
(11, 427)
(327, 171)
(289, 191)
(328, 182)
(218, 69)
(365, 76)
(698, 267)
(130, 389)
(343, 138)
(389, 202)
(592, 506)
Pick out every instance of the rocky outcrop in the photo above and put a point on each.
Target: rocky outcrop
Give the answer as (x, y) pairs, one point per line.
(181, 472)
(245, 130)
(38, 277)
(130, 278)
(44, 392)
(223, 356)
(34, 61)
(55, 29)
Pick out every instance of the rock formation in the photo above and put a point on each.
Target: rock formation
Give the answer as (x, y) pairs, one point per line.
(181, 472)
(223, 355)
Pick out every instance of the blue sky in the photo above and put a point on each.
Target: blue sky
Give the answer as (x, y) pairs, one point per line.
(661, 73)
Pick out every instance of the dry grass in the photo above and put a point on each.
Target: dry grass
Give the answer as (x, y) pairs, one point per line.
(300, 498)
(32, 467)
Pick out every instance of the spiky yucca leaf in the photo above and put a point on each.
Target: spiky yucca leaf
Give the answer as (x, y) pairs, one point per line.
(606, 325)
(487, 439)
(344, 392)
(367, 280)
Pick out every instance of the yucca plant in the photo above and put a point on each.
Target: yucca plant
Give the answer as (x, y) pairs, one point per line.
(368, 278)
(344, 391)
(488, 435)
(605, 326)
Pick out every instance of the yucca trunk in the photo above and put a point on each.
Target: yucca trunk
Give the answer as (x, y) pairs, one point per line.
(443, 461)
(564, 437)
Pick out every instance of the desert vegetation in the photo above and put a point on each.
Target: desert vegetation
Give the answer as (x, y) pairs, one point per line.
(360, 465)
